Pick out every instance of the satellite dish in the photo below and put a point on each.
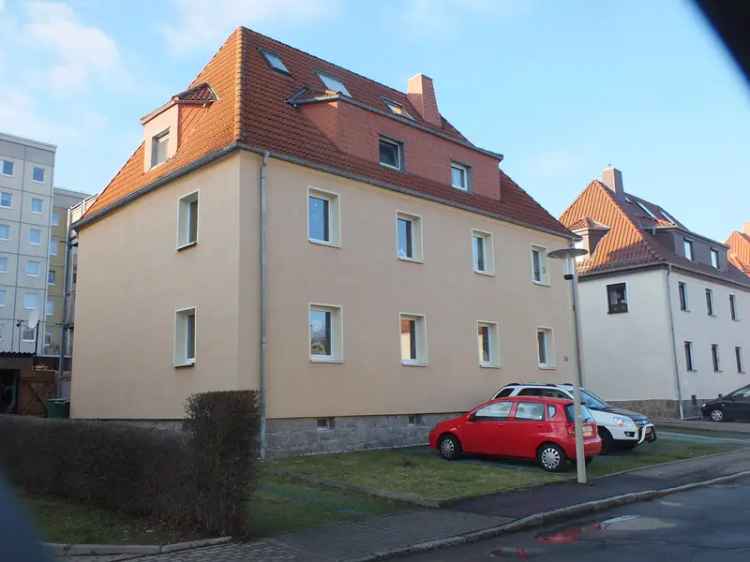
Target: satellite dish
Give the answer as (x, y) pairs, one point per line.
(33, 318)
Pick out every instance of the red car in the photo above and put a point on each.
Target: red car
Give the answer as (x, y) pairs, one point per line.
(523, 427)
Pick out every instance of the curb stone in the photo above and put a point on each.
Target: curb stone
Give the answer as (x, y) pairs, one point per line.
(540, 519)
(59, 549)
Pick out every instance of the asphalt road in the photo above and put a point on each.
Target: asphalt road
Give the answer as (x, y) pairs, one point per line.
(706, 524)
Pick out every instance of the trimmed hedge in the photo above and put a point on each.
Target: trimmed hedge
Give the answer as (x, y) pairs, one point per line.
(197, 480)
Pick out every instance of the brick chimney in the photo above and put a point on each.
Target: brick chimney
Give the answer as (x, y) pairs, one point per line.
(421, 94)
(612, 178)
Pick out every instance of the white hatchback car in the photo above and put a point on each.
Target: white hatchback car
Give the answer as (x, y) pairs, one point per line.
(617, 426)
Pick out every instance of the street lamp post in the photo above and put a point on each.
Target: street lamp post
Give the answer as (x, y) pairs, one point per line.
(569, 255)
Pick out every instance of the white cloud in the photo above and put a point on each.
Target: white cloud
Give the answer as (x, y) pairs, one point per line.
(202, 23)
(430, 17)
(80, 53)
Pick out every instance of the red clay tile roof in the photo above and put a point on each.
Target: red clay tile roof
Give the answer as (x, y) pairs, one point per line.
(252, 109)
(739, 251)
(629, 242)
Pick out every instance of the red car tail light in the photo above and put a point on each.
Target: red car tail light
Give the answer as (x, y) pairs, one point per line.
(588, 430)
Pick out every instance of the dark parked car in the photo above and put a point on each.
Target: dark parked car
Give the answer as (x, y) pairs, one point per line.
(527, 427)
(733, 406)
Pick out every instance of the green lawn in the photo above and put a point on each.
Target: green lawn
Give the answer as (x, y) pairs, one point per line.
(66, 521)
(286, 502)
(419, 472)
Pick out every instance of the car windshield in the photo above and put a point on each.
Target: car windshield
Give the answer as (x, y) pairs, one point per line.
(592, 400)
(585, 413)
(743, 392)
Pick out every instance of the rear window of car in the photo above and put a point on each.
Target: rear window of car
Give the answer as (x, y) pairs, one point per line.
(504, 392)
(530, 411)
(546, 392)
(585, 413)
(494, 411)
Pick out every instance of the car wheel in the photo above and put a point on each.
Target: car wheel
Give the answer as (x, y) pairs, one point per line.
(717, 415)
(607, 442)
(450, 448)
(551, 457)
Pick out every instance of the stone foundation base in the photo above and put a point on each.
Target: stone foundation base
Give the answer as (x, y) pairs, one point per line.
(663, 408)
(334, 435)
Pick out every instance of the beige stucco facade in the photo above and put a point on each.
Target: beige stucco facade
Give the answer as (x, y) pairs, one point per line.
(132, 279)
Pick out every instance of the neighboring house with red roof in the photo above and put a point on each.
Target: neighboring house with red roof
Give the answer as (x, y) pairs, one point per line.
(665, 314)
(292, 226)
(739, 249)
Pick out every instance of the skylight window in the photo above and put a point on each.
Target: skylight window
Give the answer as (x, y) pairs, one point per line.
(670, 218)
(397, 108)
(275, 62)
(333, 84)
(645, 209)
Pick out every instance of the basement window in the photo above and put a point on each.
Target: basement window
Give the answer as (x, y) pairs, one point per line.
(275, 62)
(333, 84)
(326, 424)
(416, 419)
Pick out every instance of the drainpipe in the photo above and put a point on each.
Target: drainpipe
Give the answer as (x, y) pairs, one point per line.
(67, 291)
(676, 369)
(263, 288)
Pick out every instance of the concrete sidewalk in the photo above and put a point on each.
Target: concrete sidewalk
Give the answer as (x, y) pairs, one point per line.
(359, 541)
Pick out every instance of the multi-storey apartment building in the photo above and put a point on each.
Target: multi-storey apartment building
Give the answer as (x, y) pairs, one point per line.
(665, 315)
(290, 226)
(739, 248)
(26, 176)
(62, 201)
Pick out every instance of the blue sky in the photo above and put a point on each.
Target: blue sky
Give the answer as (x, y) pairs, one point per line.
(560, 88)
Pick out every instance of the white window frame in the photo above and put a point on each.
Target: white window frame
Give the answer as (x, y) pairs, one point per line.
(397, 109)
(334, 216)
(2, 167)
(24, 329)
(422, 352)
(180, 358)
(183, 220)
(417, 236)
(688, 243)
(495, 361)
(39, 230)
(275, 62)
(10, 195)
(3, 296)
(714, 252)
(337, 333)
(709, 296)
(50, 309)
(55, 218)
(687, 300)
(44, 174)
(53, 273)
(9, 233)
(52, 250)
(489, 252)
(154, 147)
(399, 152)
(4, 269)
(25, 305)
(41, 205)
(544, 281)
(39, 271)
(627, 297)
(467, 176)
(551, 363)
(689, 354)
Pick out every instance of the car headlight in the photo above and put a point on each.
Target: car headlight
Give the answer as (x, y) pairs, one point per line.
(621, 421)
(703, 405)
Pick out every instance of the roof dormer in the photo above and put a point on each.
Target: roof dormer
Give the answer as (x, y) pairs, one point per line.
(161, 127)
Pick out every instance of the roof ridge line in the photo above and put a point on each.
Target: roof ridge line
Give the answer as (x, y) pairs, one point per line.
(245, 28)
(239, 79)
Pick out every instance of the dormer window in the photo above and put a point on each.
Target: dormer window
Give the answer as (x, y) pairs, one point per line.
(459, 176)
(687, 246)
(275, 62)
(397, 108)
(390, 154)
(714, 258)
(645, 209)
(333, 84)
(159, 147)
